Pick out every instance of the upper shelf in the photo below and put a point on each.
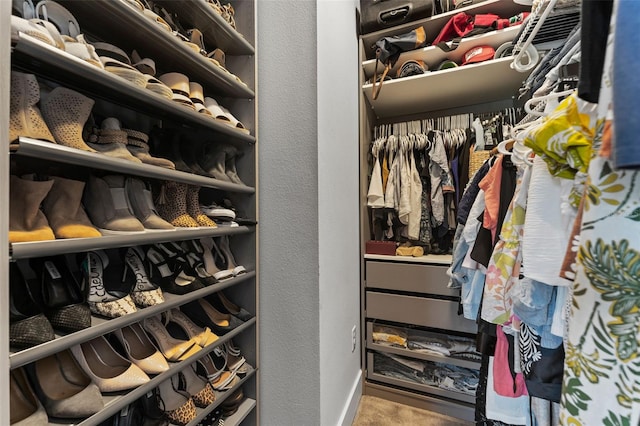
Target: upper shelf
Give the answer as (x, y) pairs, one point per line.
(466, 85)
(432, 56)
(433, 25)
(54, 152)
(116, 22)
(56, 64)
(214, 28)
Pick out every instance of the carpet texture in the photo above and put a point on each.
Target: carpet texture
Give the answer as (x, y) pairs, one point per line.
(374, 411)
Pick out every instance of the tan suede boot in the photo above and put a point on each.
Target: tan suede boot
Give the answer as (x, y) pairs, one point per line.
(193, 208)
(63, 208)
(26, 221)
(65, 112)
(24, 117)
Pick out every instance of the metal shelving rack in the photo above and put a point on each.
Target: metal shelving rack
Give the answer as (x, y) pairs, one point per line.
(115, 21)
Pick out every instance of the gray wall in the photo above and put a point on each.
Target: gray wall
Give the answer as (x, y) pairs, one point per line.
(309, 250)
(288, 204)
(338, 183)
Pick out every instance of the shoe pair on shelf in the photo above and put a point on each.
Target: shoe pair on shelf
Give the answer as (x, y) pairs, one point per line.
(218, 258)
(61, 216)
(120, 205)
(117, 281)
(179, 204)
(45, 294)
(204, 314)
(54, 386)
(191, 152)
(224, 213)
(62, 117)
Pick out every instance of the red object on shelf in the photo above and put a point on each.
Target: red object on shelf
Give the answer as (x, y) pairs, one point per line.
(387, 248)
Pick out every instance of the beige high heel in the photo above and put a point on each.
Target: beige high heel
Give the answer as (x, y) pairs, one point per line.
(202, 335)
(107, 368)
(173, 349)
(140, 350)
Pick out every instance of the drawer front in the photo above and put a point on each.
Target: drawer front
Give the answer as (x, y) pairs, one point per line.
(428, 279)
(422, 311)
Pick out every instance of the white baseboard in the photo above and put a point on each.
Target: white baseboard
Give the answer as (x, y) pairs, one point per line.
(351, 408)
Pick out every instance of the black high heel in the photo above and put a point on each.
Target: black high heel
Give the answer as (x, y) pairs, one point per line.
(203, 314)
(168, 267)
(193, 252)
(62, 296)
(28, 326)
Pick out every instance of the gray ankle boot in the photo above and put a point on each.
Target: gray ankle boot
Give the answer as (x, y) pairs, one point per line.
(142, 205)
(214, 163)
(107, 204)
(230, 165)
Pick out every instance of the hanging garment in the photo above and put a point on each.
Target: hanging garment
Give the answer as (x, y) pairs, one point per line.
(595, 19)
(375, 195)
(415, 194)
(504, 267)
(602, 366)
(513, 411)
(441, 180)
(626, 149)
(564, 138)
(471, 193)
(544, 227)
(392, 193)
(404, 183)
(502, 193)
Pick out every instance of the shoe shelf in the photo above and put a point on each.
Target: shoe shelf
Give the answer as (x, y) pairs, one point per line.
(433, 25)
(408, 353)
(243, 411)
(115, 402)
(34, 56)
(466, 85)
(203, 412)
(433, 390)
(123, 25)
(101, 326)
(63, 154)
(77, 245)
(215, 29)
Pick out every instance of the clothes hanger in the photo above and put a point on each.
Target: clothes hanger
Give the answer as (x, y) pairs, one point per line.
(536, 100)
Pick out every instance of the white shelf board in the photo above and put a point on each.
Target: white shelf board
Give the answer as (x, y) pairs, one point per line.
(438, 259)
(432, 56)
(472, 84)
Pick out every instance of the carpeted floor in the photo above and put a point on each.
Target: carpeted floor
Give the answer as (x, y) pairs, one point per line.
(374, 411)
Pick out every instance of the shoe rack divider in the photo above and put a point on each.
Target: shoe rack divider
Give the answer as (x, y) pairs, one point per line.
(116, 22)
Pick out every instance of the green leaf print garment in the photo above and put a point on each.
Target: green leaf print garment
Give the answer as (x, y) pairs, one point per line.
(601, 383)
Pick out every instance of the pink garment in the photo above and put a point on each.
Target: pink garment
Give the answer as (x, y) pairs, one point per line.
(490, 184)
(503, 382)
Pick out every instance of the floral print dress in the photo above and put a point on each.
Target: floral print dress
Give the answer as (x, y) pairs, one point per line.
(601, 384)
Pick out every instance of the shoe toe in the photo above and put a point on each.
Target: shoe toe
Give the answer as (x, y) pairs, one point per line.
(154, 364)
(124, 224)
(131, 378)
(85, 403)
(156, 222)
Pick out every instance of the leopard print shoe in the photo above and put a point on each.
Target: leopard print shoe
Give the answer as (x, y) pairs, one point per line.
(172, 205)
(193, 208)
(177, 405)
